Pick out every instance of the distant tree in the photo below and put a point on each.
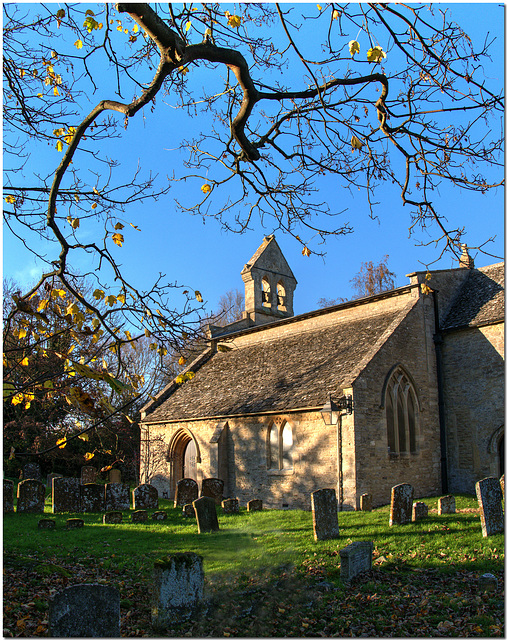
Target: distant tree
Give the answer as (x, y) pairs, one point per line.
(230, 308)
(373, 278)
(322, 303)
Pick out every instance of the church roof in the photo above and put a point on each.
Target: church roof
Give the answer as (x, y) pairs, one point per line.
(480, 300)
(290, 372)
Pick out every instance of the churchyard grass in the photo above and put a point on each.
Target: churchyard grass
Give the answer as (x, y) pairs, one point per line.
(273, 554)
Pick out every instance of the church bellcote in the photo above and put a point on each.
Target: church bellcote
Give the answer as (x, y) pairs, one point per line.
(269, 284)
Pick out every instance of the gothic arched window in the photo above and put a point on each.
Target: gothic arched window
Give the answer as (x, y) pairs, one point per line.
(402, 411)
(280, 447)
(266, 292)
(280, 295)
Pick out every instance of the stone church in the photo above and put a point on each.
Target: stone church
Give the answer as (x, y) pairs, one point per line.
(403, 386)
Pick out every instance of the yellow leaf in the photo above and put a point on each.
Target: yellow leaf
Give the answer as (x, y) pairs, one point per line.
(306, 251)
(375, 54)
(135, 28)
(42, 304)
(121, 298)
(17, 399)
(188, 25)
(24, 362)
(61, 443)
(22, 333)
(89, 12)
(118, 239)
(78, 44)
(110, 300)
(198, 296)
(10, 199)
(356, 143)
(354, 47)
(118, 226)
(60, 13)
(205, 188)
(425, 289)
(75, 223)
(182, 361)
(234, 21)
(59, 145)
(55, 91)
(98, 294)
(88, 455)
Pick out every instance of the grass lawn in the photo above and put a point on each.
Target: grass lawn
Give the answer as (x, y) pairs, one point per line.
(265, 576)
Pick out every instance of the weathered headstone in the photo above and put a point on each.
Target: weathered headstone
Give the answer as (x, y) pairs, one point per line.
(254, 505)
(159, 515)
(489, 495)
(325, 514)
(419, 511)
(31, 496)
(31, 471)
(85, 611)
(186, 492)
(74, 523)
(365, 502)
(446, 504)
(66, 495)
(145, 496)
(487, 582)
(112, 517)
(188, 511)
(231, 505)
(117, 496)
(93, 498)
(88, 475)
(49, 479)
(213, 488)
(178, 583)
(139, 516)
(502, 484)
(355, 559)
(45, 523)
(402, 497)
(8, 496)
(206, 514)
(115, 475)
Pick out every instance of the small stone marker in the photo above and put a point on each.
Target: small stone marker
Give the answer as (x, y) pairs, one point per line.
(488, 582)
(66, 495)
(446, 504)
(188, 511)
(139, 516)
(112, 517)
(75, 523)
(31, 471)
(254, 505)
(8, 496)
(49, 479)
(365, 502)
(206, 514)
(355, 559)
(46, 524)
(159, 515)
(117, 497)
(402, 496)
(213, 488)
(489, 495)
(186, 492)
(325, 514)
(85, 611)
(231, 505)
(178, 583)
(88, 475)
(115, 475)
(502, 484)
(419, 511)
(31, 496)
(145, 496)
(93, 498)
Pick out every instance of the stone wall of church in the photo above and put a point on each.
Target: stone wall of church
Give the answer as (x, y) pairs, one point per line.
(474, 400)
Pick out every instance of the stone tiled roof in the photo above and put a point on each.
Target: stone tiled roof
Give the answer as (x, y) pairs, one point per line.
(290, 372)
(481, 299)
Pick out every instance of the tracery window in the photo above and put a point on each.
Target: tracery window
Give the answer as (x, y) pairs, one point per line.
(401, 413)
(280, 447)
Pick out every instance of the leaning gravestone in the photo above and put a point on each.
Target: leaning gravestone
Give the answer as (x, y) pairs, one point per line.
(355, 559)
(8, 496)
(231, 505)
(178, 583)
(31, 471)
(254, 505)
(206, 514)
(31, 496)
(88, 475)
(85, 611)
(446, 504)
(186, 492)
(325, 514)
(419, 511)
(92, 498)
(489, 495)
(213, 488)
(145, 496)
(402, 497)
(116, 495)
(365, 502)
(66, 495)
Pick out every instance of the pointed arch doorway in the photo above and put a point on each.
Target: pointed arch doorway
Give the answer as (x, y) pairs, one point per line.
(190, 461)
(184, 456)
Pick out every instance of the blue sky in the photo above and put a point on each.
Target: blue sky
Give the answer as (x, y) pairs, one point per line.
(204, 257)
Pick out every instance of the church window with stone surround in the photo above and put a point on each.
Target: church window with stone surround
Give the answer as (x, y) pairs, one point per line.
(280, 447)
(266, 292)
(401, 413)
(280, 295)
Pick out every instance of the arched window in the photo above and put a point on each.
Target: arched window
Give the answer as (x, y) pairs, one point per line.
(266, 292)
(401, 413)
(280, 447)
(280, 295)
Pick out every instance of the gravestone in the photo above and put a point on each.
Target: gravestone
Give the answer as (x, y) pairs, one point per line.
(31, 496)
(93, 498)
(115, 475)
(446, 504)
(487, 582)
(402, 496)
(355, 558)
(31, 471)
(88, 475)
(365, 502)
(116, 495)
(66, 495)
(325, 514)
(112, 517)
(254, 505)
(178, 583)
(188, 511)
(139, 516)
(74, 523)
(213, 488)
(231, 505)
(45, 523)
(85, 611)
(186, 492)
(206, 514)
(8, 496)
(502, 484)
(159, 515)
(49, 479)
(489, 495)
(419, 511)
(145, 496)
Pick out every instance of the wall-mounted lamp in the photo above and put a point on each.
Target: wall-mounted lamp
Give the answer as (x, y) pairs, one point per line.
(331, 410)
